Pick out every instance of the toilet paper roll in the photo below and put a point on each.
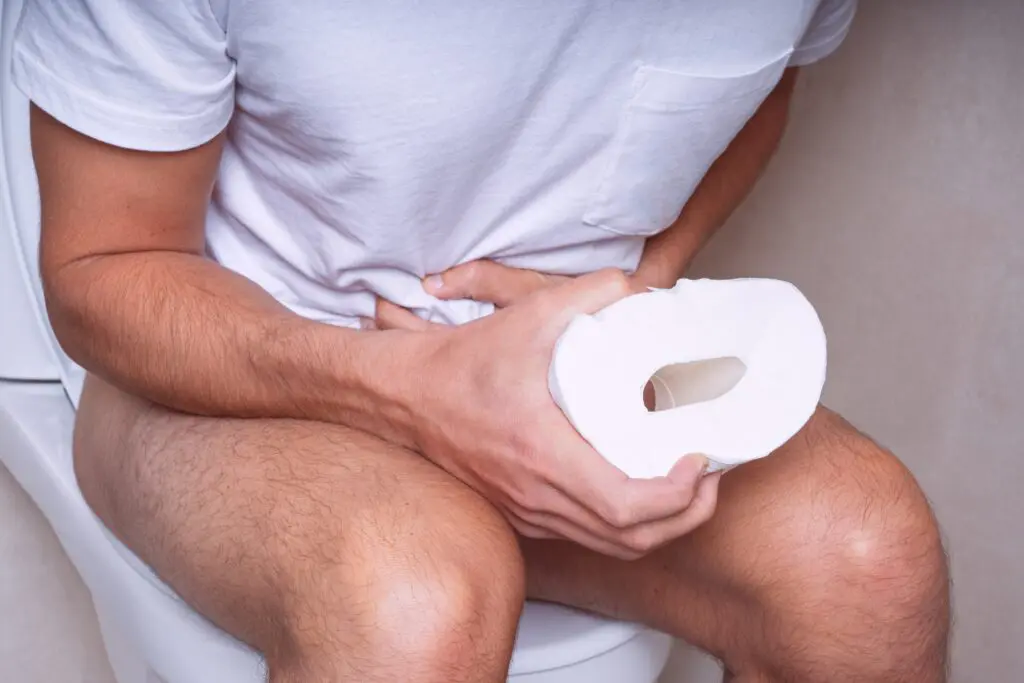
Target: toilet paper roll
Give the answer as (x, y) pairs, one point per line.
(738, 367)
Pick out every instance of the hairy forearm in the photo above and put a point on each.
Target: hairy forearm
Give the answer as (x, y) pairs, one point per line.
(182, 331)
(729, 180)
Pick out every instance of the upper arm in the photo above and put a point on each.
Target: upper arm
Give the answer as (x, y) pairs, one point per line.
(99, 199)
(129, 102)
(786, 85)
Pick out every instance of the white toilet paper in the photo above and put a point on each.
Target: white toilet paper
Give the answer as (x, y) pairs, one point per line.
(700, 337)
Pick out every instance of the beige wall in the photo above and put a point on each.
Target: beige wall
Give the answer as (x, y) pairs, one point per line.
(897, 204)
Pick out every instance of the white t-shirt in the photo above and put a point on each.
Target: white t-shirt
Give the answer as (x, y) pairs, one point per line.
(372, 143)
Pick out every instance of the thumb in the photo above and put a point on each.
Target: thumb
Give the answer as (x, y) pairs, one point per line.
(689, 470)
(487, 281)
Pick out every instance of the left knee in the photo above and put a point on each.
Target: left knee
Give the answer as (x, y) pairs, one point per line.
(864, 593)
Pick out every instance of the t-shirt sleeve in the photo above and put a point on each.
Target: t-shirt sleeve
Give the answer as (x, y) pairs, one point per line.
(827, 30)
(152, 75)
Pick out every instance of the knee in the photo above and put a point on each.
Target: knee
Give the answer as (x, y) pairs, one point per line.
(864, 516)
(439, 602)
(457, 612)
(866, 584)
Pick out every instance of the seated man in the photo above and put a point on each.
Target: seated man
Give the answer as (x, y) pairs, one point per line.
(314, 257)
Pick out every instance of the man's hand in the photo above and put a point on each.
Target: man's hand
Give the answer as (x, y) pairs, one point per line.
(486, 281)
(490, 421)
(493, 283)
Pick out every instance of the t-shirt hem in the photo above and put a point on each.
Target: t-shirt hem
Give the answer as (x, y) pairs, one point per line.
(809, 54)
(107, 122)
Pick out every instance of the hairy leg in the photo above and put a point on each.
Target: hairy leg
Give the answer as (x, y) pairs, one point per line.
(340, 557)
(823, 564)
(315, 544)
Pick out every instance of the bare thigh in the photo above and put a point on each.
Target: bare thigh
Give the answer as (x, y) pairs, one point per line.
(321, 546)
(823, 562)
(318, 543)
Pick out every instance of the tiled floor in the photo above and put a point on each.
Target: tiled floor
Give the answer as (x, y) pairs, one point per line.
(45, 608)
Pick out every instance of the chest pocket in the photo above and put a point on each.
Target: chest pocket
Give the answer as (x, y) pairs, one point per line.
(672, 130)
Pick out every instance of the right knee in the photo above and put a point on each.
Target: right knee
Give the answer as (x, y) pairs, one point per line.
(456, 617)
(443, 614)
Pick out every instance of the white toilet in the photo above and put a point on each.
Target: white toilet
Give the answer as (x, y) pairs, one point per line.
(150, 634)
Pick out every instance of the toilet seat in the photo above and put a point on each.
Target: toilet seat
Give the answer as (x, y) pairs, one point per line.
(149, 631)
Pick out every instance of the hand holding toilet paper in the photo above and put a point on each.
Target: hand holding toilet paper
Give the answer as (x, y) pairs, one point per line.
(693, 342)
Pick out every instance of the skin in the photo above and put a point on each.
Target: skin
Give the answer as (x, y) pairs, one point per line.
(306, 487)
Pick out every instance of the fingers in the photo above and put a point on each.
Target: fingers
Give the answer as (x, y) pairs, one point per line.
(543, 525)
(644, 538)
(489, 281)
(563, 518)
(503, 286)
(587, 294)
(391, 316)
(586, 499)
(622, 502)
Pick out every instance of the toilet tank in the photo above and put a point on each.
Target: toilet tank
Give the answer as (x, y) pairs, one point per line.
(28, 349)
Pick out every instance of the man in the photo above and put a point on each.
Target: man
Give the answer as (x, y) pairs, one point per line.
(298, 409)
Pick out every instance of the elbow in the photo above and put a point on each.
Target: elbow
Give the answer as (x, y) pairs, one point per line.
(66, 296)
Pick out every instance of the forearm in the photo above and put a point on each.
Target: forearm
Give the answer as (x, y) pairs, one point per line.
(182, 331)
(729, 180)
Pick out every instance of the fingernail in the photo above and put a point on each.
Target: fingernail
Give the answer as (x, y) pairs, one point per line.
(433, 283)
(703, 465)
(367, 324)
